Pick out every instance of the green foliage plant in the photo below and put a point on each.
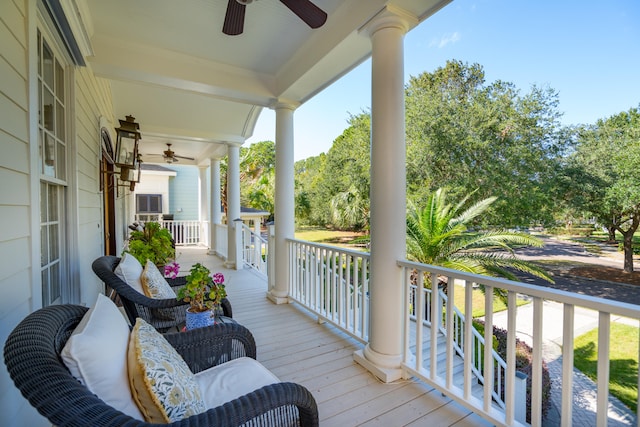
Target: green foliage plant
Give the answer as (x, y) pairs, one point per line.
(203, 291)
(439, 234)
(154, 243)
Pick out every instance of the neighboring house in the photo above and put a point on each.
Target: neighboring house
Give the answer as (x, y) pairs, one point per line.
(173, 193)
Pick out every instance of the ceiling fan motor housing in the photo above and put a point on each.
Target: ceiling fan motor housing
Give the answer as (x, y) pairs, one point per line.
(245, 2)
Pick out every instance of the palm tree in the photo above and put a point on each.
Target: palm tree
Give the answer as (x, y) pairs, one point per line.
(438, 234)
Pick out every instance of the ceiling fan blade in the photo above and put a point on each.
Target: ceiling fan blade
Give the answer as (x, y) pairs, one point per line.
(234, 18)
(182, 157)
(307, 11)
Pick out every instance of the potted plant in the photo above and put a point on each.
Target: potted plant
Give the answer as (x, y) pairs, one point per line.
(204, 293)
(152, 242)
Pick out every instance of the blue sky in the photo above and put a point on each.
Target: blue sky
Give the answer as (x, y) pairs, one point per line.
(588, 51)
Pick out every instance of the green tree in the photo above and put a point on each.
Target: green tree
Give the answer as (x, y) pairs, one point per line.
(345, 175)
(438, 234)
(467, 134)
(608, 157)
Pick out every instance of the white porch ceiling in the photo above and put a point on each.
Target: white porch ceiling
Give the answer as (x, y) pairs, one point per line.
(170, 65)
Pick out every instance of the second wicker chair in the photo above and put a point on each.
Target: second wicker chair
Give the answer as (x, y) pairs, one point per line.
(162, 314)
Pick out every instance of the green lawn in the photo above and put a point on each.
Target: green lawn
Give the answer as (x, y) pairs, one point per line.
(478, 302)
(623, 356)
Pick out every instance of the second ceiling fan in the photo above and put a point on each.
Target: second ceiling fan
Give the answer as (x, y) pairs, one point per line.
(170, 156)
(311, 14)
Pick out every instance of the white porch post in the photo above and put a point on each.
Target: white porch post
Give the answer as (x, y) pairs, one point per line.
(215, 215)
(284, 203)
(204, 201)
(233, 205)
(383, 354)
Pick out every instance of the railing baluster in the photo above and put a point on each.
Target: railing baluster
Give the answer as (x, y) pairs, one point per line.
(436, 313)
(488, 347)
(566, 415)
(511, 359)
(468, 337)
(604, 330)
(420, 308)
(536, 365)
(451, 332)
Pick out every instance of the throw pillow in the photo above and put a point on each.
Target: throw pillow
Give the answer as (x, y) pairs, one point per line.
(96, 355)
(161, 383)
(130, 270)
(154, 284)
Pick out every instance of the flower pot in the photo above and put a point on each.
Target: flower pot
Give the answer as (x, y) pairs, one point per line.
(201, 319)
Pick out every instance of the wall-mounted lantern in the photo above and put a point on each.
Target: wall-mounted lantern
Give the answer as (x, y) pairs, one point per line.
(128, 137)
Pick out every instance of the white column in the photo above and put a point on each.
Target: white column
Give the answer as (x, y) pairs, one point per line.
(233, 204)
(383, 354)
(204, 201)
(215, 212)
(284, 203)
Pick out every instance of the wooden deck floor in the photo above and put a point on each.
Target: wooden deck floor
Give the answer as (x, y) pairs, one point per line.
(296, 348)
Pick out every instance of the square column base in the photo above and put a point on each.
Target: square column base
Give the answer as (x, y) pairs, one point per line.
(277, 300)
(386, 375)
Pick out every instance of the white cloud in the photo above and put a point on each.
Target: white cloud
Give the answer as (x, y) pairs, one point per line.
(446, 39)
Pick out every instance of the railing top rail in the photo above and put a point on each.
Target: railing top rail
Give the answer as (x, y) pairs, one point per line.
(565, 297)
(247, 228)
(333, 248)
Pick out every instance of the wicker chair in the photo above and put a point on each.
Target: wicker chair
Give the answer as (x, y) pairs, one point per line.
(32, 356)
(162, 314)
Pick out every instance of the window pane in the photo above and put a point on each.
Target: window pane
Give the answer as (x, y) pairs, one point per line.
(44, 244)
(53, 203)
(54, 286)
(59, 82)
(43, 202)
(154, 202)
(39, 54)
(45, 287)
(61, 164)
(40, 109)
(54, 252)
(49, 155)
(48, 109)
(47, 64)
(59, 121)
(40, 148)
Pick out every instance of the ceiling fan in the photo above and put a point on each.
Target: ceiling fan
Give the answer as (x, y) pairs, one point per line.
(311, 14)
(170, 156)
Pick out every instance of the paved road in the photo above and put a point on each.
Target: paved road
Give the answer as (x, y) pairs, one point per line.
(569, 251)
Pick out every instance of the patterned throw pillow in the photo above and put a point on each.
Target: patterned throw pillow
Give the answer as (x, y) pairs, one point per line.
(154, 284)
(162, 385)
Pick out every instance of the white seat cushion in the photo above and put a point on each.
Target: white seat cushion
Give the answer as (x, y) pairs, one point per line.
(96, 355)
(130, 271)
(230, 380)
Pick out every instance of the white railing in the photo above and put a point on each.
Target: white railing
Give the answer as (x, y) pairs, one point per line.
(457, 329)
(443, 380)
(255, 250)
(184, 233)
(332, 283)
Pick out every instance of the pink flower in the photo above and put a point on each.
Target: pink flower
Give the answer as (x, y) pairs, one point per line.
(171, 270)
(218, 278)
